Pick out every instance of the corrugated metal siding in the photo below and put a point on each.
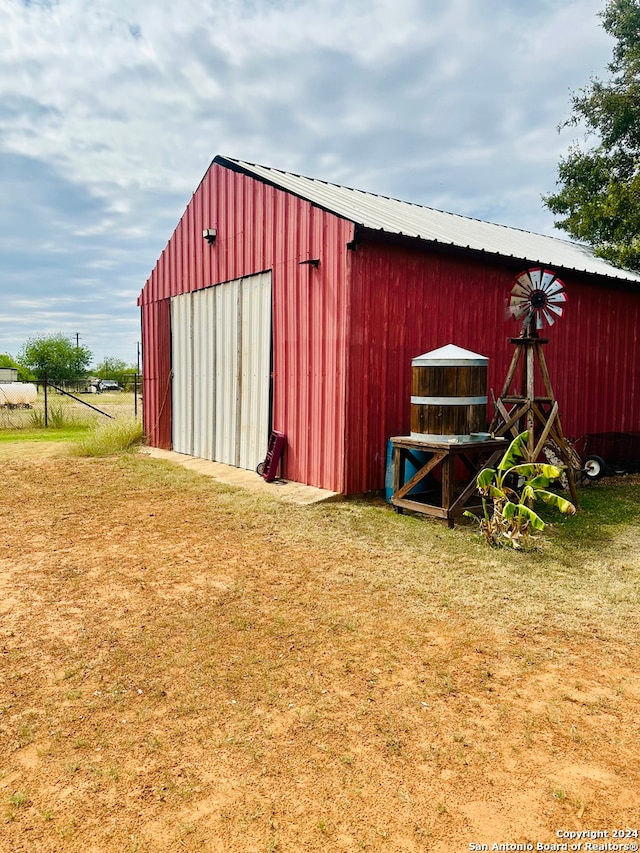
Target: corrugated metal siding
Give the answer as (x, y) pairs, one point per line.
(221, 348)
(182, 387)
(255, 369)
(333, 333)
(310, 308)
(596, 357)
(203, 324)
(156, 373)
(226, 360)
(413, 220)
(261, 228)
(405, 302)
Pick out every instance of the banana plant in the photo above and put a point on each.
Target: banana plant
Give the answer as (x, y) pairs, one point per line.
(513, 487)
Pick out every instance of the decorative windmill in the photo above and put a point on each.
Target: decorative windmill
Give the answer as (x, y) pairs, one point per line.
(537, 298)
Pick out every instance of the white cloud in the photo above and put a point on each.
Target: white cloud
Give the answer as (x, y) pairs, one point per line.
(110, 112)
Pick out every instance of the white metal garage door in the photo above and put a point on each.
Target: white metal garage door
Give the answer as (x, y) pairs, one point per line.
(221, 362)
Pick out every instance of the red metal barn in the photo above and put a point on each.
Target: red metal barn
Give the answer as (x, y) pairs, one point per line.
(288, 303)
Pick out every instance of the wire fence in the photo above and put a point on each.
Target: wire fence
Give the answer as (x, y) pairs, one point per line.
(49, 405)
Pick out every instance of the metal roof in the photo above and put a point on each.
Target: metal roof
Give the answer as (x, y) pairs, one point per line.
(413, 220)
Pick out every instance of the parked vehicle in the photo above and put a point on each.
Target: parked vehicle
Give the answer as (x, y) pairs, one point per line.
(108, 385)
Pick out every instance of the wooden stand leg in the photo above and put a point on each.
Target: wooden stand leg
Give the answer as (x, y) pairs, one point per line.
(448, 485)
(441, 459)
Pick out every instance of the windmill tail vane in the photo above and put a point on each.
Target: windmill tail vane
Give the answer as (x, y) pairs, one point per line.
(538, 296)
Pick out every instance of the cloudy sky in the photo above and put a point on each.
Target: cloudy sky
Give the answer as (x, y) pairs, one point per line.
(112, 110)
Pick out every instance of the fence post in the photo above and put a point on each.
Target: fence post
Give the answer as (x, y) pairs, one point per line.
(46, 405)
(135, 396)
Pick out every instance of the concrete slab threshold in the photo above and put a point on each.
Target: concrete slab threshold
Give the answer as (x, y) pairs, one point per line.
(283, 490)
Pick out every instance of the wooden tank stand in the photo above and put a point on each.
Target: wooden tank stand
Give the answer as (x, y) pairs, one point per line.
(526, 410)
(451, 500)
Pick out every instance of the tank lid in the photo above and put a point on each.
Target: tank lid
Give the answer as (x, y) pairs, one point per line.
(449, 356)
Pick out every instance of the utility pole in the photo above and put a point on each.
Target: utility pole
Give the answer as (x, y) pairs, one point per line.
(77, 356)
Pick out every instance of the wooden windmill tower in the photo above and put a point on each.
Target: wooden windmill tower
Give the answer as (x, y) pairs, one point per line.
(527, 401)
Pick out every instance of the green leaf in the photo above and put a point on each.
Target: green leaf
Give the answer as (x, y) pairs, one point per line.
(513, 511)
(485, 478)
(496, 493)
(513, 487)
(551, 472)
(560, 503)
(54, 357)
(528, 494)
(509, 510)
(540, 481)
(536, 469)
(525, 469)
(514, 451)
(532, 517)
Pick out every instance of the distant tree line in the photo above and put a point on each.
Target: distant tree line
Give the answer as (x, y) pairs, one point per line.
(61, 360)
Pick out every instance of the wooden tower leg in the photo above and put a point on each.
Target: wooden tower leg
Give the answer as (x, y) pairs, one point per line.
(530, 395)
(533, 408)
(498, 414)
(568, 455)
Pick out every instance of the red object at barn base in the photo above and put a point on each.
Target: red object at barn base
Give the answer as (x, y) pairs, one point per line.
(269, 467)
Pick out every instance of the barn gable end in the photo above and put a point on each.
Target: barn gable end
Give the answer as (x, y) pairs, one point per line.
(259, 229)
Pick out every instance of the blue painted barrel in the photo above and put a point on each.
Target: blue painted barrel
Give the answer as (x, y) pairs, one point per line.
(409, 471)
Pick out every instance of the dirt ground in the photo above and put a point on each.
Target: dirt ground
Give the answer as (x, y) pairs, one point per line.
(188, 667)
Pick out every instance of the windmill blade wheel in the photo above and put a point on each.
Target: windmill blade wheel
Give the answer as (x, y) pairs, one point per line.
(537, 297)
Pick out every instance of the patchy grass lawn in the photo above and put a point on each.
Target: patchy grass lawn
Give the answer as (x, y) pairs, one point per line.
(66, 411)
(187, 666)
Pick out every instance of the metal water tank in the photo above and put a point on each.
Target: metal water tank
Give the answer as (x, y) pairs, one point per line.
(448, 395)
(18, 394)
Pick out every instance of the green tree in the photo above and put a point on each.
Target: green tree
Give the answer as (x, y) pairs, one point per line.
(55, 357)
(7, 360)
(599, 195)
(116, 369)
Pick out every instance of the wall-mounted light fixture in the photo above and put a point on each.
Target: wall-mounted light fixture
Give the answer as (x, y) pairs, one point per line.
(313, 262)
(209, 234)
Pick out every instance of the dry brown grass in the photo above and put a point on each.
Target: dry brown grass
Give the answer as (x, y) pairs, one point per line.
(187, 667)
(66, 410)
